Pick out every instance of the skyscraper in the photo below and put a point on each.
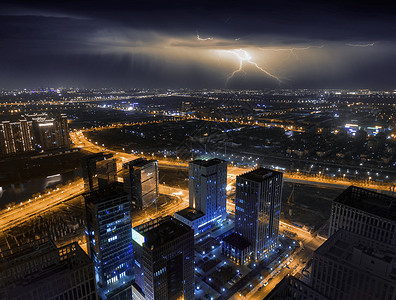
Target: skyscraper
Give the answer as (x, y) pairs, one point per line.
(257, 209)
(40, 270)
(366, 213)
(109, 233)
(99, 170)
(141, 181)
(62, 129)
(207, 190)
(164, 260)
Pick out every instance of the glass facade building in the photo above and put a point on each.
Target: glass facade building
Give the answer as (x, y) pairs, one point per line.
(141, 181)
(208, 190)
(257, 209)
(164, 260)
(99, 170)
(109, 232)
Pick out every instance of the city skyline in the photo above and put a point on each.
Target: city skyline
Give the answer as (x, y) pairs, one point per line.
(211, 150)
(229, 45)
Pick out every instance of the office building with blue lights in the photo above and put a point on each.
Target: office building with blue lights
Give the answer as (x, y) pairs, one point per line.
(257, 210)
(110, 237)
(163, 260)
(208, 194)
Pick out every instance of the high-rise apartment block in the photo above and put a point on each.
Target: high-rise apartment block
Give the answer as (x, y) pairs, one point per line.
(141, 181)
(109, 232)
(366, 213)
(16, 137)
(99, 170)
(257, 210)
(164, 260)
(40, 270)
(36, 132)
(207, 192)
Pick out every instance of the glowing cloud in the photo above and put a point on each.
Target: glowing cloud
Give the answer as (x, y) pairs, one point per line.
(244, 57)
(203, 39)
(292, 51)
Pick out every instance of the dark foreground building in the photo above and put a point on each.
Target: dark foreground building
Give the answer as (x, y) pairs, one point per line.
(40, 270)
(164, 260)
(366, 213)
(353, 267)
(99, 170)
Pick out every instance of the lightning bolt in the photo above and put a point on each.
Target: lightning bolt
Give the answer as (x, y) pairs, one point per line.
(361, 45)
(292, 51)
(244, 57)
(203, 39)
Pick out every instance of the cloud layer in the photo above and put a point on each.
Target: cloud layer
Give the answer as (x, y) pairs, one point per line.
(176, 44)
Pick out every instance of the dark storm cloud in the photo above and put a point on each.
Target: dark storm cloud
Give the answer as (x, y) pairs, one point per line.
(145, 43)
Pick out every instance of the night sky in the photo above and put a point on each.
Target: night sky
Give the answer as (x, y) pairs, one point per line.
(205, 44)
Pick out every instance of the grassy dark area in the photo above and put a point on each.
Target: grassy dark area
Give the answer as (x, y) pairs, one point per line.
(174, 177)
(311, 205)
(22, 169)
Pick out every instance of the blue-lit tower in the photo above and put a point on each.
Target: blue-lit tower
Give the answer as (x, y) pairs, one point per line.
(207, 189)
(257, 209)
(110, 238)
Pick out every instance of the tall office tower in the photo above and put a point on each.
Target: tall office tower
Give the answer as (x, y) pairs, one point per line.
(16, 138)
(349, 266)
(290, 288)
(99, 170)
(207, 189)
(109, 233)
(257, 209)
(366, 213)
(40, 270)
(141, 181)
(62, 129)
(164, 260)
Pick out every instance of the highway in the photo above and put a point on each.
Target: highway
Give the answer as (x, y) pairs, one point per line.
(21, 212)
(80, 140)
(13, 216)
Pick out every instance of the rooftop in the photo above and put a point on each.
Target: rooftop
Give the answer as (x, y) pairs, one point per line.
(163, 231)
(371, 202)
(237, 241)
(259, 174)
(139, 162)
(360, 252)
(112, 191)
(190, 214)
(207, 163)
